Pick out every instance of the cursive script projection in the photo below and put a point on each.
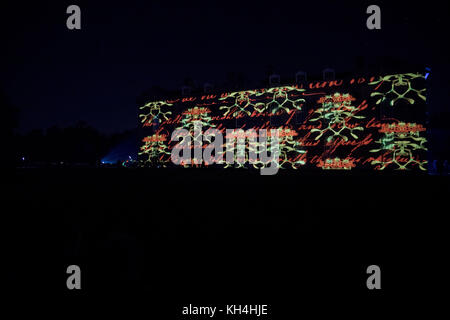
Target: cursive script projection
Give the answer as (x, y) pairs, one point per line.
(365, 123)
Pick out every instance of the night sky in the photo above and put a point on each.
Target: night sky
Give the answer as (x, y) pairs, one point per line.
(56, 76)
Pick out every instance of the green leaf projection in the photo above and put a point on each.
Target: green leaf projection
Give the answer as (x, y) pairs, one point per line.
(361, 123)
(283, 98)
(154, 110)
(241, 102)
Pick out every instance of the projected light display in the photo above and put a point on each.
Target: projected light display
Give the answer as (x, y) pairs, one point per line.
(373, 123)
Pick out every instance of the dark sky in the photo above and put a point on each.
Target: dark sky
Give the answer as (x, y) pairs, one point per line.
(57, 76)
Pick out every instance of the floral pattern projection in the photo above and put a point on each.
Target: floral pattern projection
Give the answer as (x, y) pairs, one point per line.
(365, 123)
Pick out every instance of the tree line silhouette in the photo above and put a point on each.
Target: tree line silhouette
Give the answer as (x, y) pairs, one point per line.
(76, 144)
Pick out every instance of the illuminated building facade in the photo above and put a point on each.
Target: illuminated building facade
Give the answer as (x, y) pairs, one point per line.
(359, 123)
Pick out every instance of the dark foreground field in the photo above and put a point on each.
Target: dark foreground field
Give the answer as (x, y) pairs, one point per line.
(295, 242)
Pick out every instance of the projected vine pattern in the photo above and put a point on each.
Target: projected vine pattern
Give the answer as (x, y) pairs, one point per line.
(155, 111)
(399, 144)
(241, 103)
(400, 87)
(336, 112)
(282, 99)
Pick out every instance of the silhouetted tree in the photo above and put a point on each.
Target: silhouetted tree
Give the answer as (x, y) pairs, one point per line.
(10, 122)
(79, 143)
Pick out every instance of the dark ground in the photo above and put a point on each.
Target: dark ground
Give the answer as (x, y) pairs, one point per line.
(169, 237)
